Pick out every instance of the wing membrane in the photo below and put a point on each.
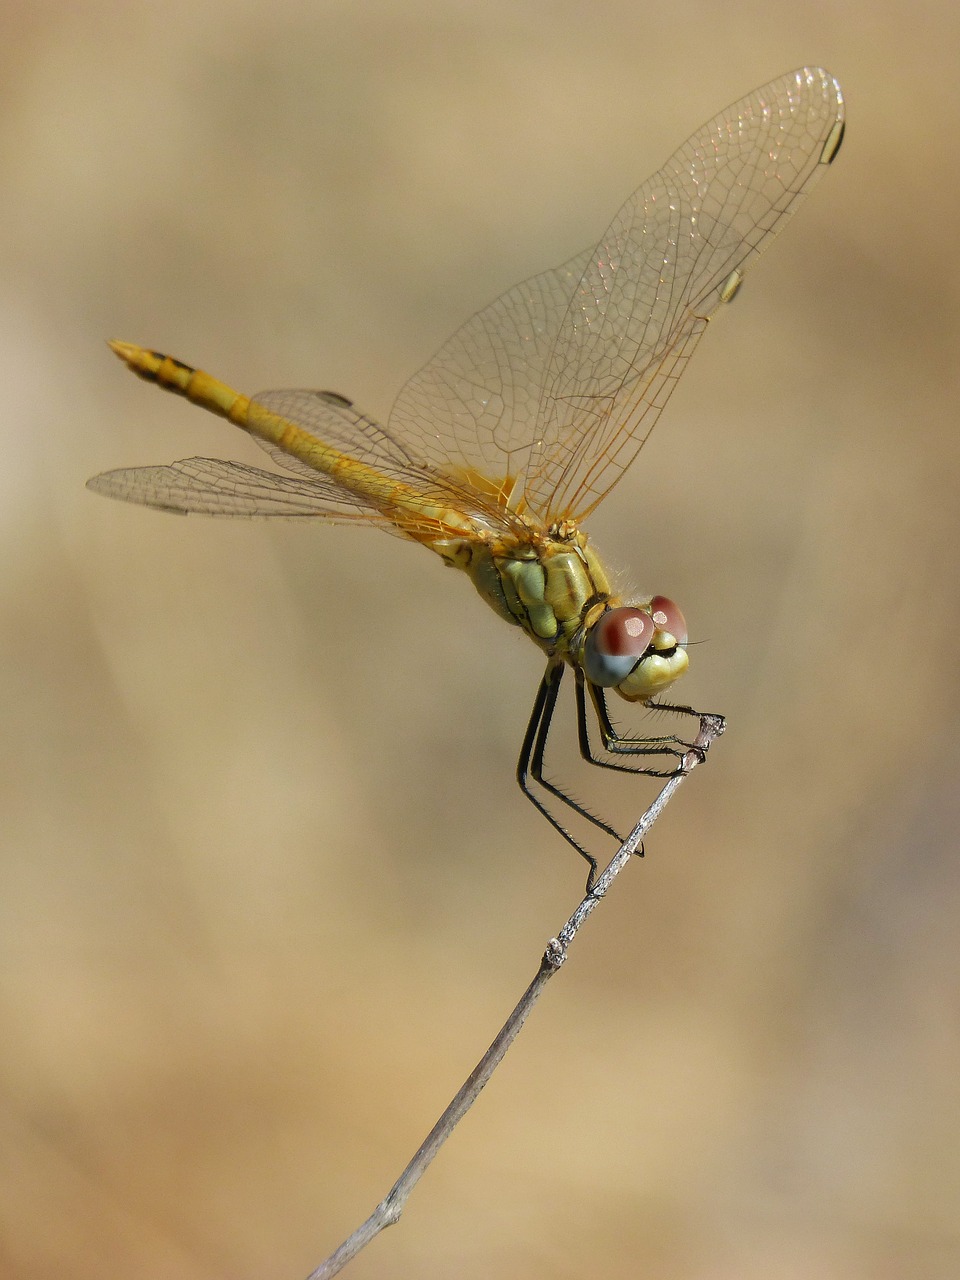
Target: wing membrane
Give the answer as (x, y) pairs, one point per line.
(214, 487)
(475, 403)
(427, 503)
(561, 380)
(338, 422)
(536, 406)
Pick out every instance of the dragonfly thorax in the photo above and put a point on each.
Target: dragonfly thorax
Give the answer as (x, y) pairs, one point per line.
(557, 590)
(549, 585)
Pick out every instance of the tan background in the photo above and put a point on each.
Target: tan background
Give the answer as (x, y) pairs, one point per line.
(267, 886)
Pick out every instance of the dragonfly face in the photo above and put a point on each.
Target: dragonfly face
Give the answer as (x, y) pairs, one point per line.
(500, 446)
(639, 651)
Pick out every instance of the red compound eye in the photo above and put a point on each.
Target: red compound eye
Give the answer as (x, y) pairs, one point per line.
(668, 617)
(615, 644)
(623, 632)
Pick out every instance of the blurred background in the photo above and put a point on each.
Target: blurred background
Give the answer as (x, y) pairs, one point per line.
(267, 885)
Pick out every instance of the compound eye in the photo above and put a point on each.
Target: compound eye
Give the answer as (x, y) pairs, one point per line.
(668, 617)
(616, 643)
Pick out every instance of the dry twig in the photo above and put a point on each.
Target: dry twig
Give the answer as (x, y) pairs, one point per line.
(389, 1209)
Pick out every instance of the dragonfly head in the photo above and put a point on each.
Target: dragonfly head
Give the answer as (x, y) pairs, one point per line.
(637, 649)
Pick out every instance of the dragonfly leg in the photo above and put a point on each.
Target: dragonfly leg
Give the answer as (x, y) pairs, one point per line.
(681, 709)
(666, 746)
(531, 763)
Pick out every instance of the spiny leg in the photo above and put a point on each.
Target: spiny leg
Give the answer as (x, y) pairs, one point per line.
(678, 709)
(531, 763)
(681, 709)
(666, 745)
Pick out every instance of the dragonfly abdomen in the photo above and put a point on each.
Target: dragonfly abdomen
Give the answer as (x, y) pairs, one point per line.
(183, 380)
(415, 514)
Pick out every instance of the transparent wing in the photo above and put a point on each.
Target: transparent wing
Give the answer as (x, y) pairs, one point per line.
(213, 487)
(337, 421)
(559, 382)
(429, 503)
(475, 403)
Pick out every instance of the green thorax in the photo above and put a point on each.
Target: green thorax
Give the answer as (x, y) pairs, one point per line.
(549, 587)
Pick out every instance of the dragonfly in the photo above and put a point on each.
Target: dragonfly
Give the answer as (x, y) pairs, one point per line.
(498, 449)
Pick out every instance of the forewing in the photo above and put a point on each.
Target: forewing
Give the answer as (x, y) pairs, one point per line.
(673, 253)
(556, 385)
(474, 404)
